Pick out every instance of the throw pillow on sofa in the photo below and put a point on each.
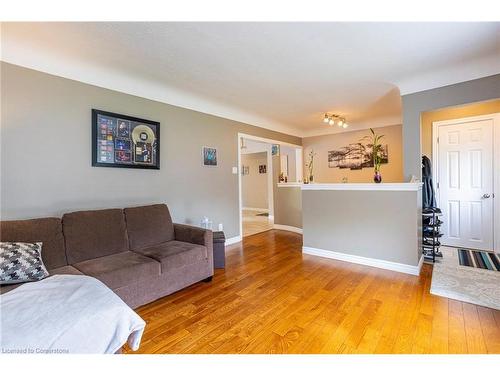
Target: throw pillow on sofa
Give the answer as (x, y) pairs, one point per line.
(21, 262)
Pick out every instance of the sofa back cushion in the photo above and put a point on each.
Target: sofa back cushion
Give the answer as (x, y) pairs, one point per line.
(148, 225)
(46, 230)
(93, 234)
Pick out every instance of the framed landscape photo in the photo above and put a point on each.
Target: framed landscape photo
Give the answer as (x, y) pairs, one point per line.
(209, 156)
(121, 141)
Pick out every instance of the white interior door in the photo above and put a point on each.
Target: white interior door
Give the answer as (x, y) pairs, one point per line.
(465, 183)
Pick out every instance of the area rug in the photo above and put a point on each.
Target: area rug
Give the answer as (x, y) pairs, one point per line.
(464, 283)
(479, 259)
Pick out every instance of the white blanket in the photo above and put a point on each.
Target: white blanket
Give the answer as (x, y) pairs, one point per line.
(66, 314)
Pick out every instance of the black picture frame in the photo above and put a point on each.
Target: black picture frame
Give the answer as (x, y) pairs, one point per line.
(117, 155)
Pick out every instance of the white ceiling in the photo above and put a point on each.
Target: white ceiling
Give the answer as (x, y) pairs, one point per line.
(280, 76)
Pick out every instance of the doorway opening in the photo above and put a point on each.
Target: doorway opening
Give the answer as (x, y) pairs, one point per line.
(460, 147)
(262, 164)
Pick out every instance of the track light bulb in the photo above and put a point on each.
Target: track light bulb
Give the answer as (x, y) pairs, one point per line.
(331, 122)
(326, 119)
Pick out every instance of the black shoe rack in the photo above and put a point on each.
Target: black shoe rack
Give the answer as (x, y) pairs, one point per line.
(431, 224)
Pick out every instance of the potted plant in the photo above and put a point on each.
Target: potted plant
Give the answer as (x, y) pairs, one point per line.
(310, 165)
(376, 147)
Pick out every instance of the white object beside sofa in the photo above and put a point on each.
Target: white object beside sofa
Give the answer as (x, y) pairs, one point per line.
(67, 314)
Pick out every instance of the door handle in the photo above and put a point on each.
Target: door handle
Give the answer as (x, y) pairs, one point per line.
(486, 196)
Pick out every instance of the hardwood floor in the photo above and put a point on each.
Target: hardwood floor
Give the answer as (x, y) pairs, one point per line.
(273, 299)
(253, 224)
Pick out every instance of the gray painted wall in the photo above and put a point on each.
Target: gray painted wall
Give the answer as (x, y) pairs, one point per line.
(288, 206)
(414, 104)
(254, 185)
(46, 153)
(374, 224)
(287, 202)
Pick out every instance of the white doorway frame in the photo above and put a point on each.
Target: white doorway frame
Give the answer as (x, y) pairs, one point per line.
(495, 117)
(269, 170)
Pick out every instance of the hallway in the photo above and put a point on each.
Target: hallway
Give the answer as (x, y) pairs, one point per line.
(255, 222)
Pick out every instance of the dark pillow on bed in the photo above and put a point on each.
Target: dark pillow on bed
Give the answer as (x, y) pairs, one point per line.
(21, 262)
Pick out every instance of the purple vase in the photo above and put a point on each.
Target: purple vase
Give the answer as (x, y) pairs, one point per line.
(377, 177)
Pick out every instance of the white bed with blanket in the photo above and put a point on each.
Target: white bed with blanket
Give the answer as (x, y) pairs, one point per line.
(66, 314)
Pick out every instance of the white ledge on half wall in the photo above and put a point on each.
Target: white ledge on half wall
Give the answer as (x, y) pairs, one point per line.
(389, 186)
(290, 184)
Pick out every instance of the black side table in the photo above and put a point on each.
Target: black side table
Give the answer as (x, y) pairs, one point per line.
(219, 250)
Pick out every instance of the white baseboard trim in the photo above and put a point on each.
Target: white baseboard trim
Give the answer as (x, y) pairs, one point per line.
(288, 228)
(392, 266)
(232, 240)
(420, 263)
(256, 209)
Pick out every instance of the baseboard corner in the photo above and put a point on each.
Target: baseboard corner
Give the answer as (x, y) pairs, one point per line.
(287, 228)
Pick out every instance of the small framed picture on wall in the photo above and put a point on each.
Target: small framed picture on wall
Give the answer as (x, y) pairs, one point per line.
(209, 156)
(262, 168)
(275, 150)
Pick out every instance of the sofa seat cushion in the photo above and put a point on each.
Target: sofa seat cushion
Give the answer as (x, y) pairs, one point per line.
(175, 254)
(119, 270)
(66, 270)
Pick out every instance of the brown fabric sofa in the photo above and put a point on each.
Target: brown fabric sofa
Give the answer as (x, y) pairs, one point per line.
(137, 252)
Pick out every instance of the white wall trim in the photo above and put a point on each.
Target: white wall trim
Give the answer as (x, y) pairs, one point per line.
(290, 184)
(232, 240)
(495, 117)
(256, 209)
(288, 228)
(267, 140)
(404, 186)
(420, 263)
(378, 263)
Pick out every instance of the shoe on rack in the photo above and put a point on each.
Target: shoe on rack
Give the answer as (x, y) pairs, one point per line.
(429, 243)
(431, 210)
(427, 221)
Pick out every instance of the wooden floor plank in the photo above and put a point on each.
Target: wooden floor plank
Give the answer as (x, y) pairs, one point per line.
(457, 342)
(473, 331)
(271, 298)
(490, 330)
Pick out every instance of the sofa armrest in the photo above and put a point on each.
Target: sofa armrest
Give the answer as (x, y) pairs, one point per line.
(196, 235)
(192, 234)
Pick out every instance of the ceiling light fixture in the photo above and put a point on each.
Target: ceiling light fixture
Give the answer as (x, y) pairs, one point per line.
(332, 118)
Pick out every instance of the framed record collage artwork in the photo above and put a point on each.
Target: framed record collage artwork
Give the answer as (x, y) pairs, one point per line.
(121, 141)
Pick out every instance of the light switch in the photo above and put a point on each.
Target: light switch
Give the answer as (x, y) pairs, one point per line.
(235, 170)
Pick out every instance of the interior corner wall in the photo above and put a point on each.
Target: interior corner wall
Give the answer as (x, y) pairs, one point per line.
(477, 90)
(391, 172)
(289, 152)
(46, 153)
(254, 185)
